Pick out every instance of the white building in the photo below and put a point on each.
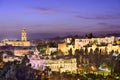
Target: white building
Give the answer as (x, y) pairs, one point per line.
(7, 58)
(68, 40)
(82, 42)
(36, 62)
(51, 50)
(62, 65)
(59, 65)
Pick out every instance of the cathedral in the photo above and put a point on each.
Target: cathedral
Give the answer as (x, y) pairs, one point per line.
(22, 42)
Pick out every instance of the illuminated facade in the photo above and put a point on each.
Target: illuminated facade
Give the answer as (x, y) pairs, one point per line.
(23, 35)
(62, 65)
(23, 51)
(108, 48)
(68, 40)
(36, 62)
(50, 50)
(80, 43)
(83, 42)
(17, 50)
(8, 58)
(22, 42)
(63, 48)
(58, 65)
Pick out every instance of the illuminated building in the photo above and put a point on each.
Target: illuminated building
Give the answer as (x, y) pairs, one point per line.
(17, 50)
(108, 48)
(22, 42)
(80, 43)
(21, 51)
(24, 35)
(83, 42)
(62, 65)
(63, 48)
(51, 50)
(117, 42)
(58, 65)
(68, 40)
(9, 58)
(36, 62)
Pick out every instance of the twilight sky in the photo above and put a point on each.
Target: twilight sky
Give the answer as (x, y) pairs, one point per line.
(59, 16)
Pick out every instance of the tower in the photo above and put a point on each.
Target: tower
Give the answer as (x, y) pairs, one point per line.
(24, 35)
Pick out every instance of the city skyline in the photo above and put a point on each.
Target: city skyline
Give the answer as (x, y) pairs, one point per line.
(61, 17)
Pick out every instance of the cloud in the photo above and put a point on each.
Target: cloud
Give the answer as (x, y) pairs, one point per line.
(101, 17)
(52, 11)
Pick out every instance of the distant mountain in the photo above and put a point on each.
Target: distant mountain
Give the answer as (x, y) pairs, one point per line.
(37, 36)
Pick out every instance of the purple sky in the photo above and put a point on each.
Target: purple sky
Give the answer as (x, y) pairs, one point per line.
(59, 16)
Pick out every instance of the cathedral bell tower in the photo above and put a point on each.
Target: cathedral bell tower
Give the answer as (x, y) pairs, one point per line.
(24, 35)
